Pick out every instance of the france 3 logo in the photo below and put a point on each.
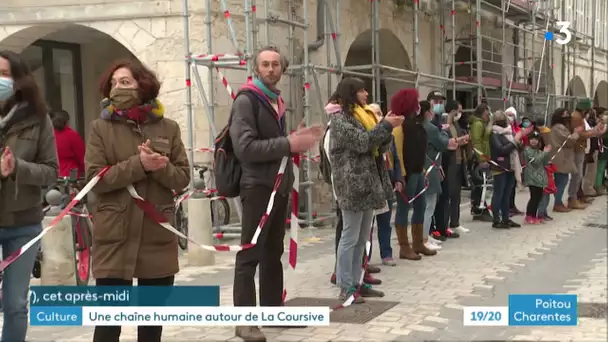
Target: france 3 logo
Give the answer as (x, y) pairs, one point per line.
(564, 28)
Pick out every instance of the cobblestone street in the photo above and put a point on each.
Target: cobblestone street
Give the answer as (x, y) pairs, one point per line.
(481, 268)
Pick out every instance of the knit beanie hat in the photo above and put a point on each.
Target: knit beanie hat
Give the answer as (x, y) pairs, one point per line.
(584, 104)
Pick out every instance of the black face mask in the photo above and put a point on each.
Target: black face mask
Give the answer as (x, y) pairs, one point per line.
(502, 123)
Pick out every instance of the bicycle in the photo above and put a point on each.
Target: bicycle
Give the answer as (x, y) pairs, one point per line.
(220, 209)
(68, 187)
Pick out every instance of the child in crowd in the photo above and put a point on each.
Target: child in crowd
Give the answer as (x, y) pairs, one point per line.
(543, 208)
(535, 175)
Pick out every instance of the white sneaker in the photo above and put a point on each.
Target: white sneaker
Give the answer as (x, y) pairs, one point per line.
(435, 241)
(432, 246)
(461, 230)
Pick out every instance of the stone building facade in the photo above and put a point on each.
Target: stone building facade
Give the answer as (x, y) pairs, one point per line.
(153, 32)
(96, 32)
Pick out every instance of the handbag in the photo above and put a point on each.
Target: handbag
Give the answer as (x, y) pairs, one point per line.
(551, 187)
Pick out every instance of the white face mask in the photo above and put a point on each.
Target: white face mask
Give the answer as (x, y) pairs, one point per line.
(511, 119)
(457, 116)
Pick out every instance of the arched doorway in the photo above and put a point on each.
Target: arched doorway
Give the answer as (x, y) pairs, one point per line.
(576, 90)
(392, 53)
(466, 70)
(67, 61)
(601, 95)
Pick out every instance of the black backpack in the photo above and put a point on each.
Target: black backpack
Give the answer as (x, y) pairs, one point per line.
(226, 166)
(324, 165)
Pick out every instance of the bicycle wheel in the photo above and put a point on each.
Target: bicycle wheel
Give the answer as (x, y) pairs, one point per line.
(82, 250)
(220, 213)
(181, 224)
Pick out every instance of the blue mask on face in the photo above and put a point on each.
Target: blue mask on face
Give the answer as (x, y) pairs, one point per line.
(6, 88)
(438, 108)
(525, 124)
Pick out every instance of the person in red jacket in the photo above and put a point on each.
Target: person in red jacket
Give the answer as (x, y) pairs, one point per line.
(70, 145)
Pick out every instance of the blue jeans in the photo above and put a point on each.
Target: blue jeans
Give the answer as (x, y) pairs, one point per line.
(543, 206)
(561, 180)
(16, 280)
(384, 232)
(431, 203)
(415, 184)
(351, 248)
(504, 183)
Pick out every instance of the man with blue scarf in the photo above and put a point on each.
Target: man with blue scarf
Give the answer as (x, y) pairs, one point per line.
(257, 130)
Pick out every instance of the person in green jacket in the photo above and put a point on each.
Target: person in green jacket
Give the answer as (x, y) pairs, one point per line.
(480, 139)
(602, 162)
(535, 175)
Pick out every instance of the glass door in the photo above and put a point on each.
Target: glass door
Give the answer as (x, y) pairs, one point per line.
(57, 68)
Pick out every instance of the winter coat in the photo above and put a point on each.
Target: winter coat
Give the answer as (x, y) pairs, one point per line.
(360, 181)
(534, 172)
(603, 146)
(437, 143)
(564, 160)
(32, 142)
(70, 151)
(260, 142)
(480, 136)
(127, 243)
(500, 150)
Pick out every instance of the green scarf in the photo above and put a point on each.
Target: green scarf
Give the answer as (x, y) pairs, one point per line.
(271, 94)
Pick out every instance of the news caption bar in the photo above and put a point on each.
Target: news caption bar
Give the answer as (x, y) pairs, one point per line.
(157, 305)
(526, 310)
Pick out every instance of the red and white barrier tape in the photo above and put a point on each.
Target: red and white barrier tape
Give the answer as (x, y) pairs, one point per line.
(206, 192)
(18, 253)
(294, 224)
(224, 81)
(426, 182)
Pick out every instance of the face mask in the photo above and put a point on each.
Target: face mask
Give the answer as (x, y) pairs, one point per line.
(124, 98)
(502, 123)
(438, 108)
(525, 124)
(511, 119)
(458, 116)
(6, 88)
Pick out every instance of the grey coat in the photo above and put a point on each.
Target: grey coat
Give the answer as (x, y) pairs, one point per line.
(437, 143)
(361, 182)
(260, 143)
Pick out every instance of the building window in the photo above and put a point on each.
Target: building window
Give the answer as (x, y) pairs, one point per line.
(57, 69)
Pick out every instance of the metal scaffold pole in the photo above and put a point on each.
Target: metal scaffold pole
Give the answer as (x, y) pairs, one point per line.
(453, 75)
(189, 113)
(376, 52)
(478, 51)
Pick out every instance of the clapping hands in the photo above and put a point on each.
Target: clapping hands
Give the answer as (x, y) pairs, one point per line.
(7, 162)
(151, 160)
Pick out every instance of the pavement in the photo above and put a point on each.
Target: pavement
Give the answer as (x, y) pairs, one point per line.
(481, 268)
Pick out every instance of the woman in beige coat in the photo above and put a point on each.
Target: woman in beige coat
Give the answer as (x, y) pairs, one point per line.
(563, 158)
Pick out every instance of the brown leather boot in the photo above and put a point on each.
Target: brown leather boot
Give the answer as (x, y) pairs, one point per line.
(576, 205)
(560, 208)
(405, 250)
(250, 334)
(418, 241)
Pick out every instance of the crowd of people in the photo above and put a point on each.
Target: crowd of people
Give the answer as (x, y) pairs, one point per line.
(411, 157)
(417, 158)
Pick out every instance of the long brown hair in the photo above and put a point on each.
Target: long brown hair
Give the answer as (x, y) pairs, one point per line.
(25, 88)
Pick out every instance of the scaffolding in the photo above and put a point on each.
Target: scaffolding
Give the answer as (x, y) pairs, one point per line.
(525, 82)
